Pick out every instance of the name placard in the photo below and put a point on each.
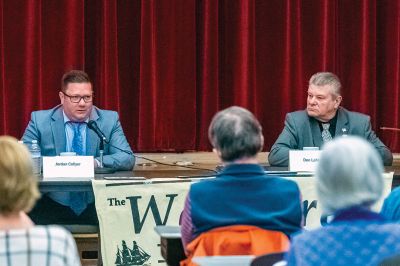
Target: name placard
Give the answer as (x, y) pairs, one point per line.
(303, 160)
(68, 166)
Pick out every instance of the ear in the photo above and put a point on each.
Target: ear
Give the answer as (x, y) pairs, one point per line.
(262, 142)
(61, 95)
(338, 100)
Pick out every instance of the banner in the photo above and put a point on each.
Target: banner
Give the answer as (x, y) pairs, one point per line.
(128, 211)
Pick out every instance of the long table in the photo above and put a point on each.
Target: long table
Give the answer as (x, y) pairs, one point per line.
(150, 171)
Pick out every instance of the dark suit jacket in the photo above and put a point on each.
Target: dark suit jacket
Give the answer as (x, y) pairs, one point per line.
(301, 131)
(47, 127)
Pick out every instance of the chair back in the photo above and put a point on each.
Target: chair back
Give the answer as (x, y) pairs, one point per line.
(268, 259)
(87, 239)
(236, 240)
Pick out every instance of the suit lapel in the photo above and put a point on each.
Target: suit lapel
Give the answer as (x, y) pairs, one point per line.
(342, 127)
(58, 130)
(316, 133)
(92, 139)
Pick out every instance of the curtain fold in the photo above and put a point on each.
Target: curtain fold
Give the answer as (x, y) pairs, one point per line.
(207, 67)
(168, 66)
(388, 70)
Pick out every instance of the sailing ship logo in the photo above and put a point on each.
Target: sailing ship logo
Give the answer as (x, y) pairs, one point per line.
(131, 257)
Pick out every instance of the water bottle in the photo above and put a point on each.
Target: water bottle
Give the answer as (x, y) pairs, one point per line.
(36, 157)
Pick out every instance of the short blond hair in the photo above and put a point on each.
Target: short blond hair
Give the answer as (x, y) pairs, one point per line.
(18, 186)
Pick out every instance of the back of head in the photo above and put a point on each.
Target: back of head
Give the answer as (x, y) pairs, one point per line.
(235, 133)
(74, 76)
(326, 78)
(18, 187)
(349, 173)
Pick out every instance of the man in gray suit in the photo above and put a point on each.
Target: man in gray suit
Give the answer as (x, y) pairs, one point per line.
(323, 120)
(64, 129)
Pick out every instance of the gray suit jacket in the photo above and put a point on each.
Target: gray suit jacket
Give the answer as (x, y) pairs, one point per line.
(301, 131)
(47, 127)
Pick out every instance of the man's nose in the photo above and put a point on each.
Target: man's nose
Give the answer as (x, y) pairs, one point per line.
(311, 100)
(81, 102)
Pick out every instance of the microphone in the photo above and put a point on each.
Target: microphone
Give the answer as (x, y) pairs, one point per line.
(93, 126)
(101, 169)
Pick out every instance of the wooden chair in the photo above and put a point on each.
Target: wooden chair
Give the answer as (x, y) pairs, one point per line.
(87, 240)
(171, 244)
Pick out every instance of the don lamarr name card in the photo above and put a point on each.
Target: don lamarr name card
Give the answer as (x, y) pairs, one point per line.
(68, 166)
(303, 160)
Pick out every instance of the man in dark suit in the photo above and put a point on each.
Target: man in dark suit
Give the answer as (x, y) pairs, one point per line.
(322, 120)
(64, 129)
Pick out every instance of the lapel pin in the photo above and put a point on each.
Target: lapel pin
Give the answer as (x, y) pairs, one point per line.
(344, 131)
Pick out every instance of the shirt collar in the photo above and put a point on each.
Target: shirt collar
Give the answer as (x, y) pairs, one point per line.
(332, 123)
(357, 213)
(235, 169)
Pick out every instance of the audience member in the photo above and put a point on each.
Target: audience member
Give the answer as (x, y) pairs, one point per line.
(21, 242)
(242, 194)
(322, 121)
(349, 181)
(391, 206)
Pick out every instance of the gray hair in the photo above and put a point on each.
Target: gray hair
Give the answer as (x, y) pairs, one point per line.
(349, 173)
(326, 78)
(236, 133)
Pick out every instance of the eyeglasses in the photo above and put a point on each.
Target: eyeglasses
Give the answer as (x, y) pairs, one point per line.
(77, 99)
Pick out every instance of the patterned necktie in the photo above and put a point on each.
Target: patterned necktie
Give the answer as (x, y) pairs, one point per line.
(77, 200)
(326, 135)
(77, 143)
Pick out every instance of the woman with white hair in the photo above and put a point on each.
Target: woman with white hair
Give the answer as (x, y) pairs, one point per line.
(21, 241)
(349, 181)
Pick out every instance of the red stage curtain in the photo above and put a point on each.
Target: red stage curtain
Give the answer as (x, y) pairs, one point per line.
(168, 66)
